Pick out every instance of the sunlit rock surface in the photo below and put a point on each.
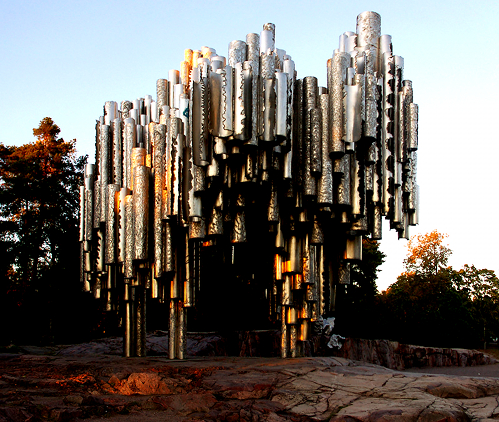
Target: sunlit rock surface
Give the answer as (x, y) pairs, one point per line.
(91, 381)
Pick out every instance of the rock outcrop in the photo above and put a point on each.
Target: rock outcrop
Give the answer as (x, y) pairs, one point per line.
(74, 388)
(394, 355)
(386, 353)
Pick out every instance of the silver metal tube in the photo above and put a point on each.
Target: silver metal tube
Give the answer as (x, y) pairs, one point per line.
(222, 100)
(237, 52)
(316, 142)
(309, 104)
(284, 334)
(323, 280)
(413, 131)
(117, 152)
(112, 223)
(159, 186)
(343, 191)
(197, 229)
(269, 110)
(387, 131)
(82, 214)
(141, 175)
(140, 321)
(200, 113)
(353, 122)
(239, 229)
(126, 106)
(182, 332)
(357, 186)
(173, 79)
(368, 30)
(172, 168)
(129, 135)
(128, 269)
(281, 106)
(169, 248)
(104, 168)
(129, 334)
(122, 224)
(100, 266)
(267, 41)
(377, 223)
(325, 182)
(253, 64)
(339, 67)
(293, 341)
(172, 343)
(89, 211)
(344, 273)
(242, 101)
(353, 249)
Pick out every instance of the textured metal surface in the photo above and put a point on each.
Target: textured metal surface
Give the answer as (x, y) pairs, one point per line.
(141, 212)
(245, 160)
(159, 186)
(242, 101)
(325, 182)
(268, 105)
(237, 52)
(104, 168)
(284, 335)
(316, 141)
(368, 29)
(82, 214)
(172, 334)
(253, 63)
(339, 66)
(111, 223)
(387, 140)
(281, 105)
(128, 270)
(309, 104)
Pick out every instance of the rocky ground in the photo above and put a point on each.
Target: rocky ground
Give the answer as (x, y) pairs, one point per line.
(67, 385)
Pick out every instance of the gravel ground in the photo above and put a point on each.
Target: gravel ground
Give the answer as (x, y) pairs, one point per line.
(491, 371)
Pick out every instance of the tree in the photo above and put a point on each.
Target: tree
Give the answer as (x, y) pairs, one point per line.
(481, 289)
(39, 188)
(355, 304)
(427, 254)
(433, 304)
(424, 306)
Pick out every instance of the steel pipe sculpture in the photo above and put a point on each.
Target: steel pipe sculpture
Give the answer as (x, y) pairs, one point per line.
(245, 153)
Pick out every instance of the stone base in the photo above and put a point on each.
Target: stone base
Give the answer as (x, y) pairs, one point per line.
(386, 353)
(153, 389)
(394, 355)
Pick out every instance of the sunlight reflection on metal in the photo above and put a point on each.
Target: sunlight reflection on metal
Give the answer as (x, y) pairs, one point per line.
(237, 152)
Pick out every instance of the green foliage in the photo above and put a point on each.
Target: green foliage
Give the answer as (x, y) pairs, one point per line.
(356, 302)
(427, 310)
(481, 290)
(39, 188)
(432, 304)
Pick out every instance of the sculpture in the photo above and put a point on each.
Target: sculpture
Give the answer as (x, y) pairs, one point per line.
(244, 153)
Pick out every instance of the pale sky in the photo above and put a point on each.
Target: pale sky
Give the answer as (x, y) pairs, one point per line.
(64, 59)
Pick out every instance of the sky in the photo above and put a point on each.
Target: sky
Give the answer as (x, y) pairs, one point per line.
(64, 59)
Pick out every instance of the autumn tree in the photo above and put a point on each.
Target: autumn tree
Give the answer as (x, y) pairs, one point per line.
(424, 306)
(427, 253)
(433, 304)
(38, 225)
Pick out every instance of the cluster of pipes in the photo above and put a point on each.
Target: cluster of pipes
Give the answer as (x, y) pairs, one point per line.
(231, 145)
